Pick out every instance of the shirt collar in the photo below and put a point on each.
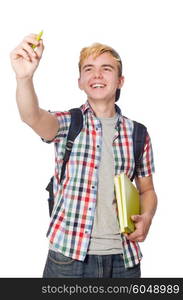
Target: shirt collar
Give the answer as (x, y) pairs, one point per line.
(87, 107)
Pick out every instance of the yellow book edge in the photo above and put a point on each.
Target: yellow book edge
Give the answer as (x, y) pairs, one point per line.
(119, 203)
(122, 187)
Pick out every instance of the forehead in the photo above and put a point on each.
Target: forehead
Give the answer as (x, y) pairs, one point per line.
(104, 58)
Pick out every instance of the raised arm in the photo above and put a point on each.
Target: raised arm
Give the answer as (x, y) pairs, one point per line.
(25, 60)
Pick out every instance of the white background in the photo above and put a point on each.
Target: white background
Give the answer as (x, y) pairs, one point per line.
(148, 36)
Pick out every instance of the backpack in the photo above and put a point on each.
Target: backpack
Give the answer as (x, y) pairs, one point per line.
(139, 137)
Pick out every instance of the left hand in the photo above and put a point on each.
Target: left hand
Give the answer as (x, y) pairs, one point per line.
(142, 225)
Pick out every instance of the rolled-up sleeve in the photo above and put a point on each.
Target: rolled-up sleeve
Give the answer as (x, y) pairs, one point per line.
(64, 120)
(146, 166)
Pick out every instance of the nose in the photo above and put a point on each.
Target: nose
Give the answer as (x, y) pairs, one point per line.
(97, 73)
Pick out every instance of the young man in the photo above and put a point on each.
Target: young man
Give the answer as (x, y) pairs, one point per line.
(84, 236)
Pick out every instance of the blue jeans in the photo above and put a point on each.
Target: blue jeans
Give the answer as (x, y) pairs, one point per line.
(94, 266)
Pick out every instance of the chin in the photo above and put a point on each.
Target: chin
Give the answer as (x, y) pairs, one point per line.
(98, 97)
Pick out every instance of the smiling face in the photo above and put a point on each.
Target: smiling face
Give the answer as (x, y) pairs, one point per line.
(99, 77)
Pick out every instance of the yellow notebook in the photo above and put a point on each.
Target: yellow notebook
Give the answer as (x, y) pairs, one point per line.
(128, 202)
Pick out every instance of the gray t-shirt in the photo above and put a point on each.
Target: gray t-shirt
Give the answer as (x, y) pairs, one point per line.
(105, 237)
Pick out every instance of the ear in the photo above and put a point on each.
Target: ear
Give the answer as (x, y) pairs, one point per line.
(80, 83)
(121, 82)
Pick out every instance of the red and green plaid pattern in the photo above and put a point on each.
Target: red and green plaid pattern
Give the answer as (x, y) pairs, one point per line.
(75, 198)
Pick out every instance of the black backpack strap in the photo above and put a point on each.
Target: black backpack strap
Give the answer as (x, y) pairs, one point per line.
(139, 138)
(74, 129)
(49, 188)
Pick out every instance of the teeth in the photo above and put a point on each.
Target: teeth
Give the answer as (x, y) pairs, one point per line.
(97, 85)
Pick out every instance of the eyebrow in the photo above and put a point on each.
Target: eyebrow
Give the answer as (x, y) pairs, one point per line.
(104, 65)
(108, 65)
(86, 66)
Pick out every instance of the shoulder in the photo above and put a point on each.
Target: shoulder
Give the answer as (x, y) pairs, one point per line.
(130, 121)
(127, 123)
(64, 117)
(62, 114)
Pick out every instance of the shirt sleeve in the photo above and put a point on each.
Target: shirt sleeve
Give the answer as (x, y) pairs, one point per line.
(64, 119)
(146, 167)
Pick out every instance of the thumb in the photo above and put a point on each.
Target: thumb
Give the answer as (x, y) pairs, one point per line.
(40, 48)
(136, 218)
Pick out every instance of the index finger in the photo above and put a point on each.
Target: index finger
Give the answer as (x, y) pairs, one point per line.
(38, 37)
(31, 39)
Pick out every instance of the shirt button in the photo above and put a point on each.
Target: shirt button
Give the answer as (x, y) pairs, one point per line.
(96, 167)
(98, 146)
(96, 128)
(90, 208)
(93, 187)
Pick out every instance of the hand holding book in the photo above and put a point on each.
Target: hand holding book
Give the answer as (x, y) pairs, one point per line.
(142, 225)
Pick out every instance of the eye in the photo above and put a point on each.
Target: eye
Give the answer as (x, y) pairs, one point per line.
(87, 69)
(107, 69)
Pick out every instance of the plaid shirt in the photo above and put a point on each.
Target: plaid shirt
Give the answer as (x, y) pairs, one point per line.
(75, 198)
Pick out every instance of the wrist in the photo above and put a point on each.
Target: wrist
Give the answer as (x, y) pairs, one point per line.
(24, 79)
(148, 216)
(24, 82)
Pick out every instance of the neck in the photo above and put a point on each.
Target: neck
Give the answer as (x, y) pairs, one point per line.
(103, 109)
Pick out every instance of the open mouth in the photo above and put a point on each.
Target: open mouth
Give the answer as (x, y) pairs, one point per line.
(97, 86)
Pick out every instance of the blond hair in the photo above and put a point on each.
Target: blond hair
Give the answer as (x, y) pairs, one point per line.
(97, 49)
